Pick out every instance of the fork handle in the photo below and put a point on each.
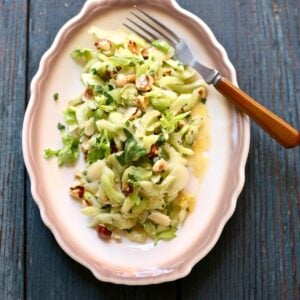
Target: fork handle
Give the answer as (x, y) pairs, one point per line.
(277, 128)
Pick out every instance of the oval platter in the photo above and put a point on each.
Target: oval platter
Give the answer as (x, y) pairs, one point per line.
(217, 191)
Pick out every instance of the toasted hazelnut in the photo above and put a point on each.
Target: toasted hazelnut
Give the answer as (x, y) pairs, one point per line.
(121, 80)
(103, 44)
(84, 203)
(136, 114)
(141, 101)
(127, 189)
(154, 150)
(103, 232)
(130, 78)
(77, 192)
(132, 46)
(145, 53)
(202, 91)
(144, 83)
(88, 93)
(167, 72)
(160, 165)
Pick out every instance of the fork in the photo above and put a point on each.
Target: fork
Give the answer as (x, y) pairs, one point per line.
(149, 28)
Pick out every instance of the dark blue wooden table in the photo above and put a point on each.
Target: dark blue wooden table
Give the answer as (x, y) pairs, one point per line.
(258, 254)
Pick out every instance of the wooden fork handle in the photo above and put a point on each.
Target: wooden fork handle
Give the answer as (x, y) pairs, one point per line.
(277, 128)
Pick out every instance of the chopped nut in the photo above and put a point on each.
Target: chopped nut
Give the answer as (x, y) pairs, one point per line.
(77, 192)
(141, 101)
(144, 83)
(127, 189)
(145, 53)
(84, 203)
(130, 78)
(121, 80)
(103, 44)
(154, 150)
(202, 91)
(167, 72)
(103, 232)
(136, 114)
(160, 165)
(88, 93)
(132, 46)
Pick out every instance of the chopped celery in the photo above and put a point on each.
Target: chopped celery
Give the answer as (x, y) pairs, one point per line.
(136, 127)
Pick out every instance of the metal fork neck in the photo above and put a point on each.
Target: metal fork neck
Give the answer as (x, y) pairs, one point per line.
(211, 76)
(215, 79)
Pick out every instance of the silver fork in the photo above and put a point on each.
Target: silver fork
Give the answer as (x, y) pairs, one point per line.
(151, 29)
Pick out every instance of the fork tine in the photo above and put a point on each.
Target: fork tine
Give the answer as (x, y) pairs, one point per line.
(168, 38)
(174, 36)
(151, 34)
(138, 33)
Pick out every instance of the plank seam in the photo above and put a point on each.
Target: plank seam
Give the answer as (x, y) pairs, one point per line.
(25, 250)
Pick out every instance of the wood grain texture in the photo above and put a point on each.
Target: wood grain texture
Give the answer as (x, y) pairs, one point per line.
(258, 254)
(13, 45)
(51, 274)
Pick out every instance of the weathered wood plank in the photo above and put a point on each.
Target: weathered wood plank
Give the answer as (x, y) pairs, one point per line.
(258, 255)
(51, 274)
(13, 31)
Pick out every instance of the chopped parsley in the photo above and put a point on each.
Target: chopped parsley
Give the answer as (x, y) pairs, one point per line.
(60, 126)
(55, 96)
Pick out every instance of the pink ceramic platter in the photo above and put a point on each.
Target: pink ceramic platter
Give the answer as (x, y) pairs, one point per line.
(217, 191)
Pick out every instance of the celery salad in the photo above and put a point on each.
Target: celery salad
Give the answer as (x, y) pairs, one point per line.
(134, 125)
